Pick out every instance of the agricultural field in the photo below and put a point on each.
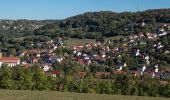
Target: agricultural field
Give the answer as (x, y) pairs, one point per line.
(52, 95)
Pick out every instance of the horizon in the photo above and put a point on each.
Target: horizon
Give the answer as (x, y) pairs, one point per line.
(58, 10)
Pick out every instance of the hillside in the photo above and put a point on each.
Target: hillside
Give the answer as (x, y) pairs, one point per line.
(106, 23)
(10, 29)
(45, 95)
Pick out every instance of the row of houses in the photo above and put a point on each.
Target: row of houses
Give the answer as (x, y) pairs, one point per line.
(98, 52)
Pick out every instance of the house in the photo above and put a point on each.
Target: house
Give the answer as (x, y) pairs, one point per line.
(162, 34)
(140, 34)
(143, 24)
(47, 58)
(161, 30)
(143, 68)
(10, 61)
(78, 48)
(118, 67)
(22, 53)
(156, 68)
(34, 60)
(84, 62)
(46, 67)
(56, 73)
(137, 52)
(143, 42)
(56, 59)
(135, 73)
(34, 52)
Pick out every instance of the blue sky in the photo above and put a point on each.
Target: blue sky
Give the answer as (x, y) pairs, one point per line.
(60, 9)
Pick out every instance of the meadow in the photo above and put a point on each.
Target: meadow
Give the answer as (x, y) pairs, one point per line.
(53, 95)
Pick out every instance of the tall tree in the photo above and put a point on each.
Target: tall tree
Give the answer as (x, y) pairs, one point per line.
(5, 77)
(39, 79)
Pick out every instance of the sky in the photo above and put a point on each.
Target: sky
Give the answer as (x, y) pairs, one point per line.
(61, 9)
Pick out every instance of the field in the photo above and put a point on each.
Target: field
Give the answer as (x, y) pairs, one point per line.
(74, 41)
(52, 95)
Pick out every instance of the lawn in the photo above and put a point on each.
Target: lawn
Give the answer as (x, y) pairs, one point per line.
(52, 95)
(75, 41)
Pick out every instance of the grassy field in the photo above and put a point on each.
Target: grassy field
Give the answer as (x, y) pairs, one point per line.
(75, 41)
(52, 95)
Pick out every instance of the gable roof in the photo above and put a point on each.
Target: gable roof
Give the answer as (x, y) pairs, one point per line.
(57, 72)
(9, 59)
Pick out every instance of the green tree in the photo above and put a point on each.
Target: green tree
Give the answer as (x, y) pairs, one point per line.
(18, 76)
(167, 90)
(122, 83)
(6, 77)
(39, 79)
(27, 84)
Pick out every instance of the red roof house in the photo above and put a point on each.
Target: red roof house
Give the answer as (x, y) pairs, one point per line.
(10, 61)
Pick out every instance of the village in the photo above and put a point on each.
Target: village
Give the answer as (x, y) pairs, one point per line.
(133, 55)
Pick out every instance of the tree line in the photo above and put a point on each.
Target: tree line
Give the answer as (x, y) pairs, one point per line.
(34, 78)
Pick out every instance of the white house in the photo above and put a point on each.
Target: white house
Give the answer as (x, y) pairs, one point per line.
(46, 67)
(137, 53)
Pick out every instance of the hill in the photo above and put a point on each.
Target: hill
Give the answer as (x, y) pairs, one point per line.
(106, 23)
(52, 95)
(10, 29)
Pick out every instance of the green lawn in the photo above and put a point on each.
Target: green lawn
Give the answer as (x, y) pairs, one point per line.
(52, 95)
(74, 41)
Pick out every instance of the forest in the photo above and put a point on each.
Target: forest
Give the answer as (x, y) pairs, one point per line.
(105, 23)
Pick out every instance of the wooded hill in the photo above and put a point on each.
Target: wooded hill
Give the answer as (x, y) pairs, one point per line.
(106, 23)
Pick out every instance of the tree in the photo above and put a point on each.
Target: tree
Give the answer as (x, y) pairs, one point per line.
(148, 87)
(5, 77)
(12, 51)
(106, 87)
(39, 79)
(27, 84)
(122, 83)
(167, 90)
(18, 76)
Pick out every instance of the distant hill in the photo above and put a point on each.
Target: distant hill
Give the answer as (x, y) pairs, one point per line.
(106, 23)
(20, 28)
